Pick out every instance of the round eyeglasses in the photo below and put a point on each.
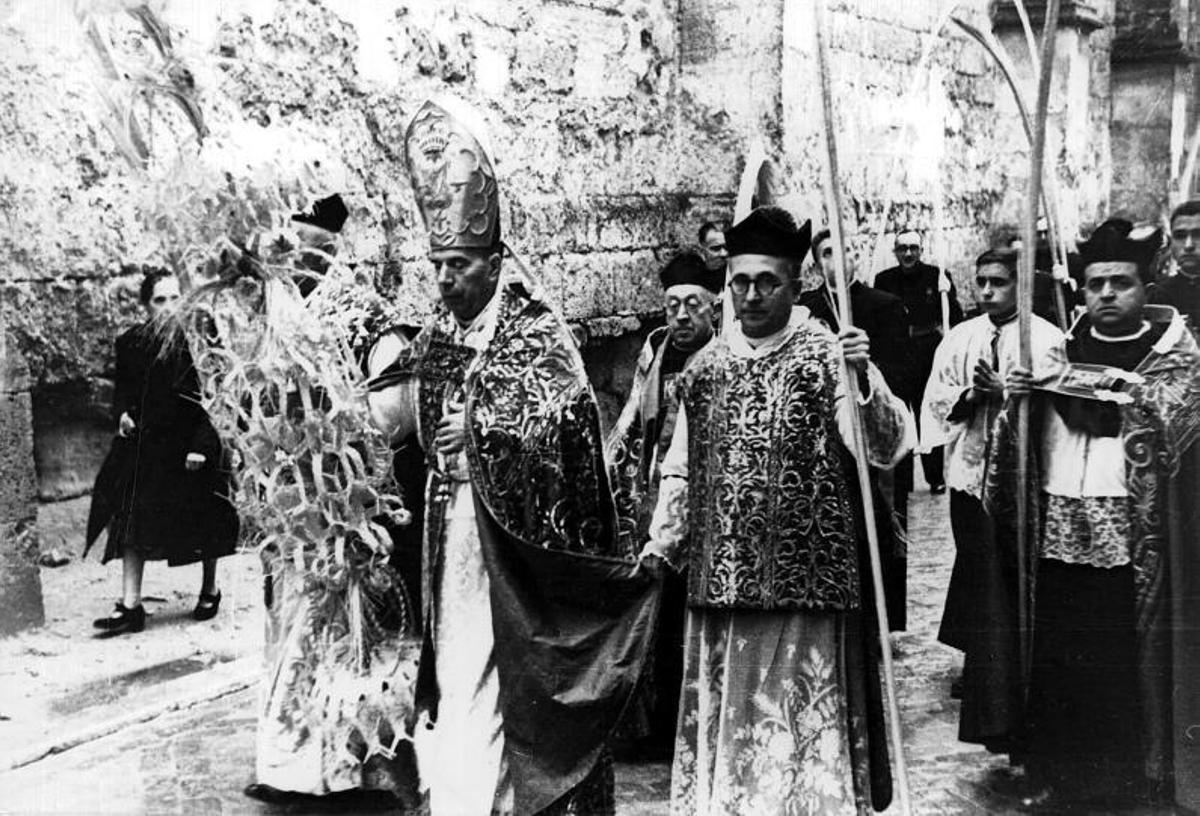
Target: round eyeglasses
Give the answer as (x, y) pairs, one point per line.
(764, 285)
(692, 304)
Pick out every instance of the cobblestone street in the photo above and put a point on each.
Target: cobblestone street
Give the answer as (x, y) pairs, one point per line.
(197, 761)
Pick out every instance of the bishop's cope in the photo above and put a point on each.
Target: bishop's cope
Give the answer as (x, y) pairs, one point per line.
(534, 630)
(781, 708)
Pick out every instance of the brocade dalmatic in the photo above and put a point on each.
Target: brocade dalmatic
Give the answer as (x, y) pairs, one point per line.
(770, 521)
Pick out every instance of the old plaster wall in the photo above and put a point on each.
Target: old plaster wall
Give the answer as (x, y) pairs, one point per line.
(942, 152)
(580, 97)
(20, 583)
(1154, 104)
(619, 126)
(1143, 99)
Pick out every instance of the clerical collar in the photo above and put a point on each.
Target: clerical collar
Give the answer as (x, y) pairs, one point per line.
(1003, 321)
(772, 339)
(686, 349)
(1124, 338)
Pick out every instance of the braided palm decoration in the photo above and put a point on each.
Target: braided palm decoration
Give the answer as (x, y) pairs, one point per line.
(313, 487)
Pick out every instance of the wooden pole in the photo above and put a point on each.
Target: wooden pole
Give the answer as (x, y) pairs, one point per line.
(1024, 314)
(833, 205)
(1188, 174)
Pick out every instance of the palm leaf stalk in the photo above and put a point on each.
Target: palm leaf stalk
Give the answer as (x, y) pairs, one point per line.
(1024, 318)
(834, 213)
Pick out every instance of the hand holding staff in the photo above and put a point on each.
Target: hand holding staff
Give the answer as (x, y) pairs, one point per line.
(833, 206)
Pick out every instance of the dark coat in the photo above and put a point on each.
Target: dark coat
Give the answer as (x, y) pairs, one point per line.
(918, 290)
(1182, 292)
(144, 494)
(883, 317)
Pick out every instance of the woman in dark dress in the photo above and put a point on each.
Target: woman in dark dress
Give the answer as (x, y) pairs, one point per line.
(163, 491)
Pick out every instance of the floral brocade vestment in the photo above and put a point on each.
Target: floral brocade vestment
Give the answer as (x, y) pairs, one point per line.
(780, 703)
(764, 458)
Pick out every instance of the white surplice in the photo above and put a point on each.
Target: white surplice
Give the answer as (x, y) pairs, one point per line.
(966, 436)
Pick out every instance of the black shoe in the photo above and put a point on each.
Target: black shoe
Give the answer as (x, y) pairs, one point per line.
(122, 621)
(207, 606)
(113, 620)
(937, 489)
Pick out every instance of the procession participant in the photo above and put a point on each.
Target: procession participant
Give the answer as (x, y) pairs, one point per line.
(878, 313)
(918, 285)
(963, 398)
(1182, 290)
(712, 246)
(163, 489)
(317, 229)
(1049, 276)
(757, 499)
(534, 640)
(643, 430)
(340, 654)
(634, 449)
(882, 317)
(1112, 700)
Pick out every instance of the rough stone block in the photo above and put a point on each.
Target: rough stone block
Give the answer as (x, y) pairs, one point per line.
(72, 431)
(1142, 94)
(20, 583)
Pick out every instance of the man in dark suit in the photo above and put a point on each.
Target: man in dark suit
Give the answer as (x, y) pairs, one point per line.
(881, 315)
(883, 318)
(918, 285)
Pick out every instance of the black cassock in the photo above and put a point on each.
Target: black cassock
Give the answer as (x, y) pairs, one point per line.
(144, 495)
(881, 315)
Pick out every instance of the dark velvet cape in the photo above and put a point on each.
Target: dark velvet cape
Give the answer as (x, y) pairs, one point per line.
(571, 622)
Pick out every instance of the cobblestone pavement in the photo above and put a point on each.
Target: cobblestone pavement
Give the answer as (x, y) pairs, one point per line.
(197, 761)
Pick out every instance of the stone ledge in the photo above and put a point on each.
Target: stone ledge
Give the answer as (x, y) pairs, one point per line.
(1078, 14)
(1132, 49)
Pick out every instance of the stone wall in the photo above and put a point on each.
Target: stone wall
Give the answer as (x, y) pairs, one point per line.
(20, 583)
(1142, 126)
(1147, 28)
(580, 97)
(1154, 105)
(619, 126)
